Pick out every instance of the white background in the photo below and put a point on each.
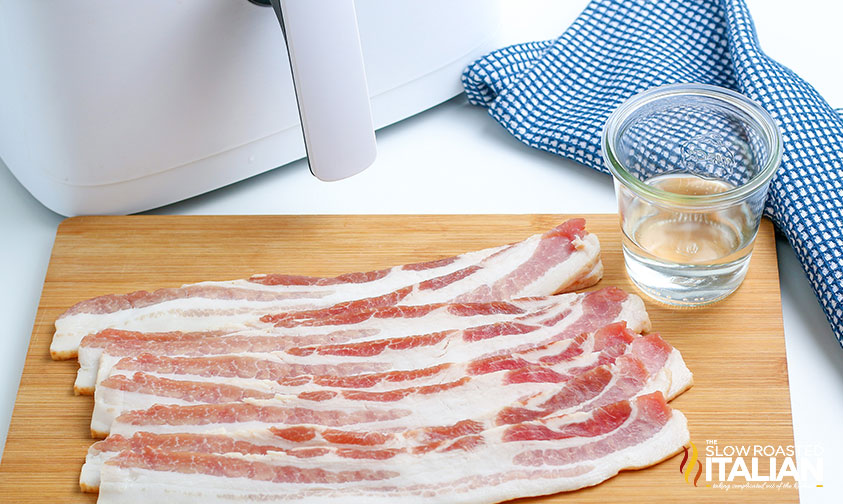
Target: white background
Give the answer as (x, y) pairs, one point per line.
(455, 159)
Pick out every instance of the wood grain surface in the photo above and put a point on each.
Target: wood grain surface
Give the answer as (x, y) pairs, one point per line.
(735, 348)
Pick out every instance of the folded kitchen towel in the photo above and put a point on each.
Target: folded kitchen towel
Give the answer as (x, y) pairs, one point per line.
(556, 95)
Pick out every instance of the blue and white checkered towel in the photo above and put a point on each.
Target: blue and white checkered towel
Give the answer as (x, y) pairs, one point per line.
(557, 94)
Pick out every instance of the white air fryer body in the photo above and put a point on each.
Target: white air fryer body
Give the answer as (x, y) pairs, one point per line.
(118, 107)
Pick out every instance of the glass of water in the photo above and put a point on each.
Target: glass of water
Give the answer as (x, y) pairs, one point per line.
(692, 164)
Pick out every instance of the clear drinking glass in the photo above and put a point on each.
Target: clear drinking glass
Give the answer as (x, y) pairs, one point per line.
(692, 164)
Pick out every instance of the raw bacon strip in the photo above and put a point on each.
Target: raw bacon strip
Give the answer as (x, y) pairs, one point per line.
(370, 325)
(556, 247)
(538, 266)
(555, 317)
(512, 401)
(311, 441)
(243, 416)
(127, 343)
(491, 466)
(302, 442)
(121, 394)
(246, 366)
(649, 365)
(576, 355)
(343, 316)
(123, 343)
(139, 390)
(587, 313)
(533, 275)
(548, 365)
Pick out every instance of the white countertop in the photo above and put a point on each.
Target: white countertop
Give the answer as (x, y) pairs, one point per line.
(455, 159)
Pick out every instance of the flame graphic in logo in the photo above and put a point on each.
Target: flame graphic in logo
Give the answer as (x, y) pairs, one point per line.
(686, 470)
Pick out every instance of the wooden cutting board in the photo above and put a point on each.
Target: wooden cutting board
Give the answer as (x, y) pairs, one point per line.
(735, 348)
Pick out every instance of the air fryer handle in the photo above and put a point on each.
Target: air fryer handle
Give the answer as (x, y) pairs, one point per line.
(323, 43)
